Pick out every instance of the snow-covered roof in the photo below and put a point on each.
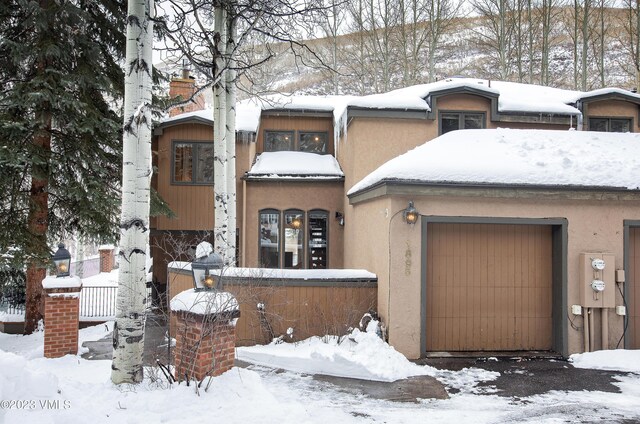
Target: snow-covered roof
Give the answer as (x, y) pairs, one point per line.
(512, 97)
(247, 117)
(518, 157)
(295, 165)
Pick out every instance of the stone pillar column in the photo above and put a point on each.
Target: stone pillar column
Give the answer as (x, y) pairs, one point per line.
(106, 257)
(61, 315)
(205, 333)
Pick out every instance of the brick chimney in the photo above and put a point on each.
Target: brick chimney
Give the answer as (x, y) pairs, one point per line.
(185, 86)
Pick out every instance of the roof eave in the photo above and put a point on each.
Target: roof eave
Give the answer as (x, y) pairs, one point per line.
(437, 188)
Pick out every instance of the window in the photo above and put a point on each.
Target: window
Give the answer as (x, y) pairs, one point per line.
(276, 141)
(293, 239)
(312, 142)
(192, 163)
(270, 238)
(307, 141)
(451, 121)
(610, 124)
(318, 239)
(286, 234)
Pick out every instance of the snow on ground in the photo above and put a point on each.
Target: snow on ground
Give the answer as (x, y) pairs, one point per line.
(73, 390)
(611, 360)
(361, 355)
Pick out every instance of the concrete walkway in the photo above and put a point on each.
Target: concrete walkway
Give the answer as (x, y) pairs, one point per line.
(155, 344)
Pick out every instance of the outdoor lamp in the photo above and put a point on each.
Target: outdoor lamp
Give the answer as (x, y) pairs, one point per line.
(62, 260)
(410, 214)
(200, 267)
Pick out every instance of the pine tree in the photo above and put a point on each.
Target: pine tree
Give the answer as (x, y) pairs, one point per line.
(60, 151)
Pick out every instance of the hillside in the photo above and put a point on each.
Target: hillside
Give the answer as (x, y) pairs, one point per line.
(465, 50)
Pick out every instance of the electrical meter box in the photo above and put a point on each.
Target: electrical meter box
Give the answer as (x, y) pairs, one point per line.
(597, 280)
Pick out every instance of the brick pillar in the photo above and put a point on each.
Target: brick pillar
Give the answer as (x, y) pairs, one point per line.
(61, 316)
(106, 258)
(205, 339)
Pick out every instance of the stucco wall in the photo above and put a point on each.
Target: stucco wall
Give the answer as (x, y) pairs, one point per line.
(592, 226)
(610, 109)
(293, 195)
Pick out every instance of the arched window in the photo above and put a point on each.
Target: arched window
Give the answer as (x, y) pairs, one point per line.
(269, 233)
(318, 239)
(293, 238)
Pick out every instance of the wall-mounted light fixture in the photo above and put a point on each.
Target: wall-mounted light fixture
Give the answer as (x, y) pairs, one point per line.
(340, 218)
(410, 214)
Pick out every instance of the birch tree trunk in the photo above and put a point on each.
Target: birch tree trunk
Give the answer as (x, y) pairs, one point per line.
(128, 333)
(221, 161)
(231, 142)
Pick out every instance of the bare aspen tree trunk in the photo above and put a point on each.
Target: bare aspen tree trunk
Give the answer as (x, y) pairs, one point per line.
(128, 333)
(221, 161)
(231, 142)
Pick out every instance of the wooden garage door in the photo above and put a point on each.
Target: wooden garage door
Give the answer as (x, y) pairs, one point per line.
(489, 287)
(633, 280)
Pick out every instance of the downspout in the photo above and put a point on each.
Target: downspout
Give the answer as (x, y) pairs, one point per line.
(243, 261)
(580, 117)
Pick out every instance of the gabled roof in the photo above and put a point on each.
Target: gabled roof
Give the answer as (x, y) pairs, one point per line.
(523, 158)
(295, 166)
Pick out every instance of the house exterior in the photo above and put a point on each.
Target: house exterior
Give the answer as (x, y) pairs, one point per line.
(489, 265)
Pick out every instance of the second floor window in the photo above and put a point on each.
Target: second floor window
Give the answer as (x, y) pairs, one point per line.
(610, 124)
(192, 163)
(451, 121)
(306, 141)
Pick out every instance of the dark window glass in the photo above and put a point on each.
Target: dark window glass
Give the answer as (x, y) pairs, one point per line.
(610, 124)
(318, 231)
(473, 121)
(620, 125)
(204, 168)
(192, 163)
(451, 121)
(182, 162)
(276, 141)
(313, 142)
(293, 239)
(270, 239)
(597, 124)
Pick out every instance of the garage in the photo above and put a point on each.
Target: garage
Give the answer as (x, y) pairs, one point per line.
(632, 292)
(489, 287)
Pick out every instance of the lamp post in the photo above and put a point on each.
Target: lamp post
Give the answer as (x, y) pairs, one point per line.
(202, 279)
(62, 260)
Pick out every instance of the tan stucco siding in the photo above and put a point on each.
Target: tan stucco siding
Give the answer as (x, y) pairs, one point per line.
(294, 195)
(612, 109)
(592, 227)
